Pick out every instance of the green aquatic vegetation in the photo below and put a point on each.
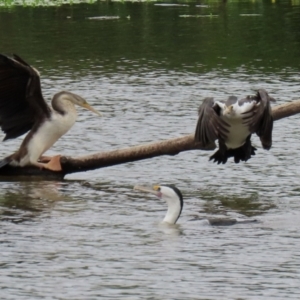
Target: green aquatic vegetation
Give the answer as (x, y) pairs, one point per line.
(55, 3)
(12, 3)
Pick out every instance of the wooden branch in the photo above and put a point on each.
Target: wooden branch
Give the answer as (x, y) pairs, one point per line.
(286, 110)
(110, 158)
(121, 156)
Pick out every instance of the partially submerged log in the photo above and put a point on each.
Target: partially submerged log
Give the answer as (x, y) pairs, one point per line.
(111, 158)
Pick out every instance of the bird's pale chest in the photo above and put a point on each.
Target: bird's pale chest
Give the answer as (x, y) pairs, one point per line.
(47, 134)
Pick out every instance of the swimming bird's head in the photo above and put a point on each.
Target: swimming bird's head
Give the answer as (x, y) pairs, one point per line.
(171, 195)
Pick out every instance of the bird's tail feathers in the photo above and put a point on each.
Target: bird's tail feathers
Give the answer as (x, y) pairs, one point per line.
(247, 221)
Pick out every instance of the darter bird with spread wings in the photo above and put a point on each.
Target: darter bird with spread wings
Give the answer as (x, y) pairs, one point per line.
(23, 109)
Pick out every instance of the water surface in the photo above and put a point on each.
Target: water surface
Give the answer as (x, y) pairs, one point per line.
(147, 71)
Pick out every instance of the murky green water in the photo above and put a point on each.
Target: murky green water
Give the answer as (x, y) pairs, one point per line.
(92, 236)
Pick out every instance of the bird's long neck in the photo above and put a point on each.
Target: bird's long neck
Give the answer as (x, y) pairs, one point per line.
(173, 213)
(63, 106)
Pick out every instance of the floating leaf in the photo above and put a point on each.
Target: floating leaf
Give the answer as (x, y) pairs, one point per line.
(169, 4)
(250, 15)
(104, 18)
(198, 16)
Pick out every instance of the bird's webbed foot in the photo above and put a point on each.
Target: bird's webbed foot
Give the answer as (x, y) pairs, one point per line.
(44, 159)
(53, 164)
(219, 157)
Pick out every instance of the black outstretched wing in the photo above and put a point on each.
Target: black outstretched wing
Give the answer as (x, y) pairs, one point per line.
(210, 126)
(21, 100)
(261, 120)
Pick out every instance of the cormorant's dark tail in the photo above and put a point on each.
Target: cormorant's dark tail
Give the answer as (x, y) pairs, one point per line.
(247, 221)
(229, 222)
(5, 161)
(242, 153)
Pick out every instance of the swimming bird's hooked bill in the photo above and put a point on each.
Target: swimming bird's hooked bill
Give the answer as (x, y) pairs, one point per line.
(232, 122)
(23, 109)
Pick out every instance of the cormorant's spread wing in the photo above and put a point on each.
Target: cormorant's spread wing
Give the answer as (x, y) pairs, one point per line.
(210, 126)
(260, 121)
(21, 99)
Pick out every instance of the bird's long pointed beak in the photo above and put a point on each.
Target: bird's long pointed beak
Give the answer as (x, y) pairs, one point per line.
(87, 106)
(146, 189)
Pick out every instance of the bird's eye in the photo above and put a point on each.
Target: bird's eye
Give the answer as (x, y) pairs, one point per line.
(156, 188)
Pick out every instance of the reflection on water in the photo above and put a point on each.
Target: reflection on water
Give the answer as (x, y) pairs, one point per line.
(245, 204)
(25, 201)
(92, 236)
